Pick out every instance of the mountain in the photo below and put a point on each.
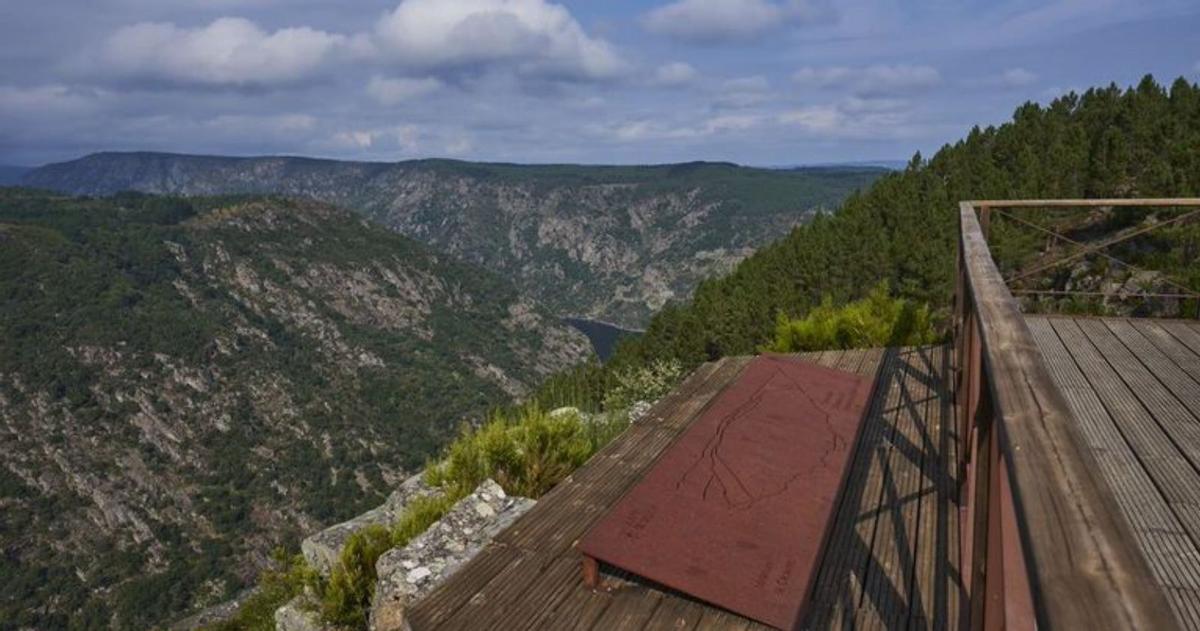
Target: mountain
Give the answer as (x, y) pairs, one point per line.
(1107, 142)
(11, 175)
(187, 383)
(606, 243)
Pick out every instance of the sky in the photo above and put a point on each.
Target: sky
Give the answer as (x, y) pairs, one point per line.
(759, 82)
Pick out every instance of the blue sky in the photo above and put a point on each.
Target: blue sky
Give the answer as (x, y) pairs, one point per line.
(764, 82)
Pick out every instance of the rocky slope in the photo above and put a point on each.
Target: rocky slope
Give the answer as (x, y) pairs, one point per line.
(186, 384)
(608, 243)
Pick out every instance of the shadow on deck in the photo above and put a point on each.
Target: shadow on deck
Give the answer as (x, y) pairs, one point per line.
(893, 557)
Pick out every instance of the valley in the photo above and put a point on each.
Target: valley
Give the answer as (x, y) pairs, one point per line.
(598, 242)
(186, 385)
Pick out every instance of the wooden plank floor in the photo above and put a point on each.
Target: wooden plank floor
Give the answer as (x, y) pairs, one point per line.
(892, 562)
(1134, 388)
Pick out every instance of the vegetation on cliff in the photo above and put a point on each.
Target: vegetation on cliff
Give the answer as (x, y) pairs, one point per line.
(1107, 142)
(186, 384)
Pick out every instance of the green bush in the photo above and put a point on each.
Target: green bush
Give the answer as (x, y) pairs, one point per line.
(642, 383)
(277, 585)
(419, 514)
(527, 451)
(877, 320)
(347, 596)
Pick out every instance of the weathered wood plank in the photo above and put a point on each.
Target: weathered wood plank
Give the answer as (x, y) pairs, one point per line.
(676, 613)
(1186, 333)
(631, 608)
(1184, 357)
(838, 589)
(1185, 389)
(1153, 521)
(1086, 571)
(1180, 427)
(889, 590)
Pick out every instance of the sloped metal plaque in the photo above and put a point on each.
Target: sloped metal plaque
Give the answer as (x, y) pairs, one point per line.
(737, 511)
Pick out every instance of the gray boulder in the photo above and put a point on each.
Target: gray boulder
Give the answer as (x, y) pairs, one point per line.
(324, 549)
(408, 573)
(294, 616)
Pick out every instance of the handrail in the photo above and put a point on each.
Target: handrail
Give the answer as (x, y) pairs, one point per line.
(1075, 564)
(1084, 203)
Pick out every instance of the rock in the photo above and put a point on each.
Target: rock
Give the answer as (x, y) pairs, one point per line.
(294, 617)
(406, 574)
(638, 410)
(324, 549)
(214, 614)
(565, 411)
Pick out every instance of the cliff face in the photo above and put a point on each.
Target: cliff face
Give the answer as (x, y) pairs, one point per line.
(610, 243)
(185, 385)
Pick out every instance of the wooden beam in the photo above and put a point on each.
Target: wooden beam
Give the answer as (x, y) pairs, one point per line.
(1085, 569)
(1083, 203)
(591, 572)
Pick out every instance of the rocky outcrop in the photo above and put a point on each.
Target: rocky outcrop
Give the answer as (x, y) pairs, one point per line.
(189, 390)
(324, 549)
(408, 573)
(296, 616)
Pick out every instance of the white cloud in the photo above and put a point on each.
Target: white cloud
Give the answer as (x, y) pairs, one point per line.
(650, 129)
(229, 51)
(534, 37)
(853, 118)
(717, 21)
(402, 138)
(389, 91)
(874, 80)
(674, 73)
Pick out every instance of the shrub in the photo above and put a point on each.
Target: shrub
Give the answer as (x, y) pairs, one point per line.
(347, 596)
(526, 451)
(277, 585)
(877, 320)
(642, 383)
(419, 514)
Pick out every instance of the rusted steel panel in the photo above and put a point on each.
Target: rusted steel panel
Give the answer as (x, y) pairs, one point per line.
(737, 511)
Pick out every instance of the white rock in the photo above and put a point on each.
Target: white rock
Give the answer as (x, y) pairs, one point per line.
(439, 551)
(417, 575)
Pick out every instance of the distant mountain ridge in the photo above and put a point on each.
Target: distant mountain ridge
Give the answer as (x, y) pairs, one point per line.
(612, 243)
(11, 175)
(186, 384)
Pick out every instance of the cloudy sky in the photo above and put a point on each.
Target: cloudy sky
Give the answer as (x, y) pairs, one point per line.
(764, 82)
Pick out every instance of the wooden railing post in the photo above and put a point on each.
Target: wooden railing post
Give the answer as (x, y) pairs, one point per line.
(982, 562)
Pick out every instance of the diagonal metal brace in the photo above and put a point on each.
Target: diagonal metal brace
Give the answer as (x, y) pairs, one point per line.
(1095, 249)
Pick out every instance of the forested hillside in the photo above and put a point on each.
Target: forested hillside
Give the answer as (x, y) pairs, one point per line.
(1106, 142)
(186, 384)
(601, 242)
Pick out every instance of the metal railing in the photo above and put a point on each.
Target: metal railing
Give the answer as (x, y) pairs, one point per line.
(1044, 543)
(1168, 289)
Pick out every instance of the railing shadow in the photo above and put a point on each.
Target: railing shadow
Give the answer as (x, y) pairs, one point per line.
(904, 457)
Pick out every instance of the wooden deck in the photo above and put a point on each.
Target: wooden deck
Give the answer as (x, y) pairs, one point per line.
(892, 561)
(1133, 386)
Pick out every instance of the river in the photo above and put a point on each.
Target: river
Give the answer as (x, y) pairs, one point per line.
(603, 335)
